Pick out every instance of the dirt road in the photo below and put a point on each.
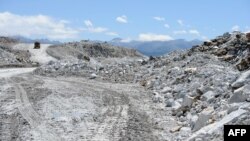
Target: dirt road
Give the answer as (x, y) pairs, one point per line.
(74, 109)
(37, 55)
(79, 109)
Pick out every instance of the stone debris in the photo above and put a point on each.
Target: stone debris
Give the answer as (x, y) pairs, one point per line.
(10, 57)
(175, 129)
(201, 89)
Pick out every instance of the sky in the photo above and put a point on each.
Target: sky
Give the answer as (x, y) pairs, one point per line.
(143, 20)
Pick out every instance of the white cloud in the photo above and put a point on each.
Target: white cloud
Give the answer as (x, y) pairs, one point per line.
(236, 28)
(247, 29)
(122, 19)
(194, 32)
(205, 38)
(179, 32)
(154, 37)
(91, 28)
(159, 18)
(35, 26)
(88, 23)
(126, 40)
(180, 22)
(112, 34)
(166, 25)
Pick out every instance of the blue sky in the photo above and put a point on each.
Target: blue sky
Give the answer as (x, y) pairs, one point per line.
(143, 20)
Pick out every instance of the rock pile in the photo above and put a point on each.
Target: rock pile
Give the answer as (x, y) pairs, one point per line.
(10, 57)
(65, 67)
(233, 48)
(205, 87)
(78, 50)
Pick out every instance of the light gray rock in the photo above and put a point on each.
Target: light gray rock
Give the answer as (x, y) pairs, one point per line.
(208, 96)
(241, 80)
(238, 96)
(169, 102)
(185, 129)
(193, 120)
(93, 76)
(176, 106)
(232, 108)
(157, 98)
(187, 102)
(175, 129)
(204, 116)
(166, 90)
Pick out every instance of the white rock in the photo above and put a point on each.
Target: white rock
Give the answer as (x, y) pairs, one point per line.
(157, 98)
(176, 105)
(209, 129)
(241, 80)
(208, 96)
(238, 96)
(190, 70)
(185, 129)
(165, 90)
(175, 129)
(187, 101)
(193, 120)
(93, 76)
(204, 116)
(169, 102)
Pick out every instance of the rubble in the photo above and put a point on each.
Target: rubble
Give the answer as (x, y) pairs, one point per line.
(203, 118)
(201, 88)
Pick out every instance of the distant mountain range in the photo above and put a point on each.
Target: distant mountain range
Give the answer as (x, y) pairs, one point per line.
(150, 48)
(28, 40)
(156, 48)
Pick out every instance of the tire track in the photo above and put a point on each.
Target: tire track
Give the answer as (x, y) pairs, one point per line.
(33, 118)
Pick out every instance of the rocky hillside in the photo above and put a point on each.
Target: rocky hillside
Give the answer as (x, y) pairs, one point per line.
(10, 57)
(86, 49)
(204, 88)
(230, 48)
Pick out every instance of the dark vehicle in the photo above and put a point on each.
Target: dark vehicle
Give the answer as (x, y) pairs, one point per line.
(36, 45)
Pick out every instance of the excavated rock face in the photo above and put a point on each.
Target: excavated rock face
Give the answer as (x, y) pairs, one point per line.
(248, 36)
(233, 48)
(10, 57)
(89, 49)
(4, 41)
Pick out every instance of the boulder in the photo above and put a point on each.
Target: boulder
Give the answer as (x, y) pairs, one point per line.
(169, 102)
(165, 90)
(176, 106)
(227, 57)
(93, 76)
(157, 98)
(186, 129)
(241, 80)
(240, 95)
(248, 36)
(220, 51)
(187, 102)
(243, 64)
(190, 70)
(208, 96)
(175, 129)
(204, 116)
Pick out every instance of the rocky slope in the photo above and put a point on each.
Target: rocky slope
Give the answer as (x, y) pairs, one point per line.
(86, 49)
(204, 87)
(88, 95)
(10, 57)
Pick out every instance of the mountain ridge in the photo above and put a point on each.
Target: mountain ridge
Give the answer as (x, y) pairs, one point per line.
(156, 48)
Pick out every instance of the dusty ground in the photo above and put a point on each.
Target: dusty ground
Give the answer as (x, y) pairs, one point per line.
(37, 55)
(70, 109)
